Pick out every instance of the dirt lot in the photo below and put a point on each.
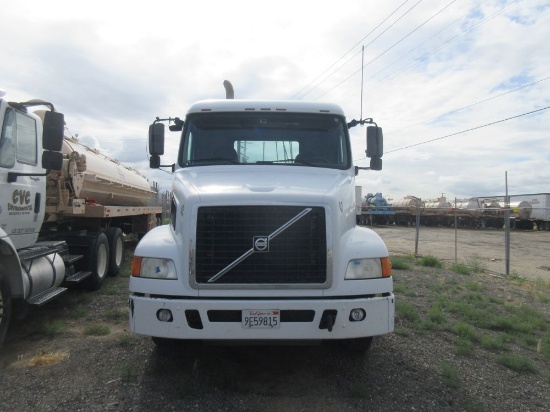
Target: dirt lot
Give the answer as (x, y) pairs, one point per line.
(76, 354)
(529, 250)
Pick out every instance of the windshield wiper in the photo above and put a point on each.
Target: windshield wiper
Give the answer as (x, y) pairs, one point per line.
(215, 159)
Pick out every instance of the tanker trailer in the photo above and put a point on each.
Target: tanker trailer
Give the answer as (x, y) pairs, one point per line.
(93, 192)
(436, 212)
(468, 213)
(405, 210)
(492, 214)
(520, 215)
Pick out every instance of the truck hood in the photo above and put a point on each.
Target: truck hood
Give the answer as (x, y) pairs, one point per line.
(283, 183)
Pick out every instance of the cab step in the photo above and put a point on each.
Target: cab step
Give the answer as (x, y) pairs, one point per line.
(46, 296)
(78, 277)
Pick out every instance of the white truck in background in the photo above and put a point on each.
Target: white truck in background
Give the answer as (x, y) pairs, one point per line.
(263, 244)
(63, 210)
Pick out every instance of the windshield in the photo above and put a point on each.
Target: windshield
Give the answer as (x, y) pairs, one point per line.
(296, 139)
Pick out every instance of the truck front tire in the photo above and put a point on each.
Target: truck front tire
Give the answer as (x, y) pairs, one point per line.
(5, 306)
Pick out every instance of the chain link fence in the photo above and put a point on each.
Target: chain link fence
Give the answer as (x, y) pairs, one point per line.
(496, 241)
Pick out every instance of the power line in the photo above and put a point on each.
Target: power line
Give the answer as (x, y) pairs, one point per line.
(349, 51)
(463, 131)
(389, 48)
(470, 105)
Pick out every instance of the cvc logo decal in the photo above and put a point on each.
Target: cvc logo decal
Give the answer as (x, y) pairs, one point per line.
(21, 202)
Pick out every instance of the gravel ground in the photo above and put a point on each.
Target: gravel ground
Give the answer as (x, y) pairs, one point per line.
(58, 360)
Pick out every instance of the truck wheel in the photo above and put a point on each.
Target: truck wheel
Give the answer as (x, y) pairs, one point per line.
(99, 261)
(5, 307)
(116, 250)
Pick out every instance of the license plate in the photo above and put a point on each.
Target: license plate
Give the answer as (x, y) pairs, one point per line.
(261, 319)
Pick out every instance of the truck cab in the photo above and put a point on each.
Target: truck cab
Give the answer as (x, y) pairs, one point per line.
(263, 243)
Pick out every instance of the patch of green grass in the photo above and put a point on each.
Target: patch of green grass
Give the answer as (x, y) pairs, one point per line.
(465, 331)
(437, 314)
(463, 347)
(403, 290)
(460, 268)
(79, 312)
(400, 264)
(117, 315)
(476, 265)
(407, 311)
(402, 331)
(516, 363)
(126, 340)
(451, 377)
(492, 344)
(431, 261)
(543, 346)
(52, 328)
(97, 330)
(128, 372)
(109, 289)
(473, 286)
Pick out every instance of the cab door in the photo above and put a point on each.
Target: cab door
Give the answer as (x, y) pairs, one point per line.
(22, 201)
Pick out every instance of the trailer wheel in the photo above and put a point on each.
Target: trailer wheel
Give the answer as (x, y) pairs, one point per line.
(116, 250)
(5, 306)
(99, 263)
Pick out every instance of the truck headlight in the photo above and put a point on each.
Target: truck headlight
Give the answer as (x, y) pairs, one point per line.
(368, 268)
(156, 268)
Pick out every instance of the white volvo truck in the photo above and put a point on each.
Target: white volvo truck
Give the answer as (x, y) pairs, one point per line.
(63, 210)
(263, 243)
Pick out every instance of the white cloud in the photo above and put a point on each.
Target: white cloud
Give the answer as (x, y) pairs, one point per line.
(112, 67)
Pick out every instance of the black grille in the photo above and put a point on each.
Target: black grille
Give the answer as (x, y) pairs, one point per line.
(296, 255)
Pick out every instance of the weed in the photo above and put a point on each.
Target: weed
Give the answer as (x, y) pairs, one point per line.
(407, 311)
(402, 331)
(117, 314)
(52, 328)
(460, 268)
(109, 289)
(126, 340)
(128, 372)
(516, 363)
(543, 346)
(451, 377)
(492, 344)
(402, 289)
(431, 261)
(79, 312)
(463, 347)
(476, 265)
(436, 314)
(97, 330)
(399, 264)
(473, 286)
(465, 331)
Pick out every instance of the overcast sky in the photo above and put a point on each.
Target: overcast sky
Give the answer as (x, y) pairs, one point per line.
(452, 83)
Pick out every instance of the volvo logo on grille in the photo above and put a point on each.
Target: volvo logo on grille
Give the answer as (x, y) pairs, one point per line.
(261, 244)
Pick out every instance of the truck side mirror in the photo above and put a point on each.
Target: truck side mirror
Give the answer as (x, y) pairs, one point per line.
(375, 142)
(375, 147)
(154, 162)
(376, 163)
(52, 160)
(156, 139)
(53, 130)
